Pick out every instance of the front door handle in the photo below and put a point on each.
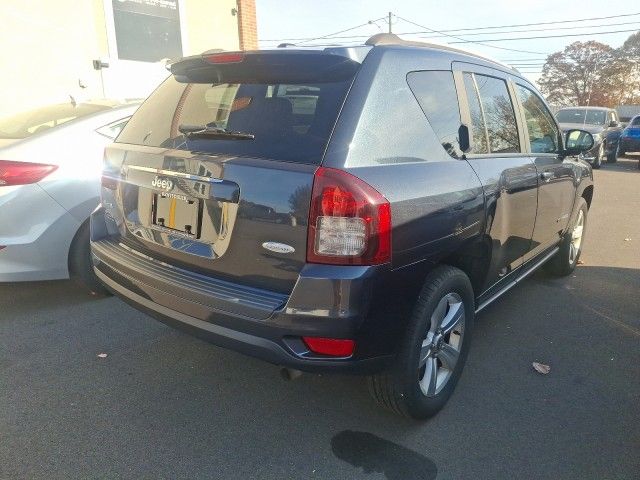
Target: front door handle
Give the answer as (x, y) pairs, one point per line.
(546, 176)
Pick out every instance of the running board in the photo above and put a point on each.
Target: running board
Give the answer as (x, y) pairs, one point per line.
(524, 275)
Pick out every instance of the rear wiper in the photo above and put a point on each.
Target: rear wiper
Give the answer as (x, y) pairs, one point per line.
(208, 131)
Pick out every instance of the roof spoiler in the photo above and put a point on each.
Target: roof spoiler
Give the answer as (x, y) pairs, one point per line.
(266, 66)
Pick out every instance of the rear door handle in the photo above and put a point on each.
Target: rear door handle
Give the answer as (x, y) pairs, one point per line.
(546, 176)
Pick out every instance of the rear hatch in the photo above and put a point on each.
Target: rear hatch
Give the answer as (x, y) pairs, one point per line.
(214, 171)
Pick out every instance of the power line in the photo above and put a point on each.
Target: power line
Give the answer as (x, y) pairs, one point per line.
(461, 40)
(544, 29)
(497, 33)
(462, 29)
(468, 41)
(343, 31)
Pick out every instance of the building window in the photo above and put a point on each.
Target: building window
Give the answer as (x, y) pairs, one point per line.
(147, 30)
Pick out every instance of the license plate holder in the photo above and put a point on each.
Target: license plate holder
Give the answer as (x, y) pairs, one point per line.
(177, 214)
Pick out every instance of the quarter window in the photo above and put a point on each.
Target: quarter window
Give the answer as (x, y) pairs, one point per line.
(436, 94)
(543, 132)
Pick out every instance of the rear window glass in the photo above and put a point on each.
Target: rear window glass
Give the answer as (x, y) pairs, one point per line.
(290, 122)
(436, 94)
(582, 115)
(635, 122)
(26, 124)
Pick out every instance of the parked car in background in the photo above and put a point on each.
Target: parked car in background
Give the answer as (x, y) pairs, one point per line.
(630, 138)
(418, 184)
(604, 126)
(50, 167)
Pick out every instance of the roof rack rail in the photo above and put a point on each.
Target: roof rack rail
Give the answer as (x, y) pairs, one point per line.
(393, 39)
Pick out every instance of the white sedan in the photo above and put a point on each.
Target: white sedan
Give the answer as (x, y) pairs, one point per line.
(50, 168)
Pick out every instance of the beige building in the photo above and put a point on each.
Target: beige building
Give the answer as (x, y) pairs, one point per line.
(49, 47)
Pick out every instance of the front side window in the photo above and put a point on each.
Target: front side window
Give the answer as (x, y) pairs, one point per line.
(436, 94)
(543, 133)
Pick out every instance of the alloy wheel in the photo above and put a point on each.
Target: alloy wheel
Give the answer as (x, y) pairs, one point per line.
(576, 238)
(442, 345)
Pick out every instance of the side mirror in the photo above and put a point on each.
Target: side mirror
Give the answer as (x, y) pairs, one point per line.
(613, 124)
(577, 142)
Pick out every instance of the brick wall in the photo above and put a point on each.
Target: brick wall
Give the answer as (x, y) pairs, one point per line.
(247, 26)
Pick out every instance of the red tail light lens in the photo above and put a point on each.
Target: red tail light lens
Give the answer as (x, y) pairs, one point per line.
(23, 173)
(231, 57)
(336, 347)
(349, 221)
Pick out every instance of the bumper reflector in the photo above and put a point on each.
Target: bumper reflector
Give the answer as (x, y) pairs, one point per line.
(335, 347)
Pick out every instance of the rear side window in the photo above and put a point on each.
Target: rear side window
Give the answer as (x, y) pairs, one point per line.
(496, 110)
(543, 133)
(436, 94)
(478, 128)
(290, 122)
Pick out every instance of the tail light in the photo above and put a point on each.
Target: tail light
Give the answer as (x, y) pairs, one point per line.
(23, 173)
(349, 221)
(335, 347)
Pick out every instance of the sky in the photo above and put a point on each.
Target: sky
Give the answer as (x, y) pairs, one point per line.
(290, 20)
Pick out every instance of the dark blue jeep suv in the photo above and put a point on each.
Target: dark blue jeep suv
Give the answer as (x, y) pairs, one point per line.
(348, 209)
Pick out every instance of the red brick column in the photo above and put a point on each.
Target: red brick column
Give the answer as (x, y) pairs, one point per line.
(247, 26)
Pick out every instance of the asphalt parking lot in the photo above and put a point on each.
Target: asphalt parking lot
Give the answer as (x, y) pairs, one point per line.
(165, 405)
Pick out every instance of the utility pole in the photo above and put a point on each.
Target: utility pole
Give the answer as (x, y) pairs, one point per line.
(390, 14)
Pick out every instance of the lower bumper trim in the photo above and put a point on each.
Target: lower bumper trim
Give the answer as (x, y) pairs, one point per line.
(251, 345)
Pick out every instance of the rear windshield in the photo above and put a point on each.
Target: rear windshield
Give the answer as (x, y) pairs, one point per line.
(581, 115)
(29, 123)
(289, 121)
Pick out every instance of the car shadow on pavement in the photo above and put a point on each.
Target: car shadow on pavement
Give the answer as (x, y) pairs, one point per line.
(34, 296)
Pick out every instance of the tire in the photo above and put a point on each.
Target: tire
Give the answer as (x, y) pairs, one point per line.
(564, 262)
(80, 266)
(597, 163)
(447, 299)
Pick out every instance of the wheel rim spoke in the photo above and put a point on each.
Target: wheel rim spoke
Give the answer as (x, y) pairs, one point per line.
(453, 318)
(439, 314)
(577, 232)
(429, 382)
(448, 355)
(425, 352)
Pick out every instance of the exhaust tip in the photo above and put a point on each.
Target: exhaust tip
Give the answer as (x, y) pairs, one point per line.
(290, 374)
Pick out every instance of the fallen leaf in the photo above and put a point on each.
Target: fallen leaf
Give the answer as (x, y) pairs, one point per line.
(102, 355)
(541, 368)
(580, 262)
(627, 239)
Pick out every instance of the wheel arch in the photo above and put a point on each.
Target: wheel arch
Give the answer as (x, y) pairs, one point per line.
(73, 246)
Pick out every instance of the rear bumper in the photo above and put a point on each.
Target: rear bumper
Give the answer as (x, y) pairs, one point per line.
(327, 301)
(36, 233)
